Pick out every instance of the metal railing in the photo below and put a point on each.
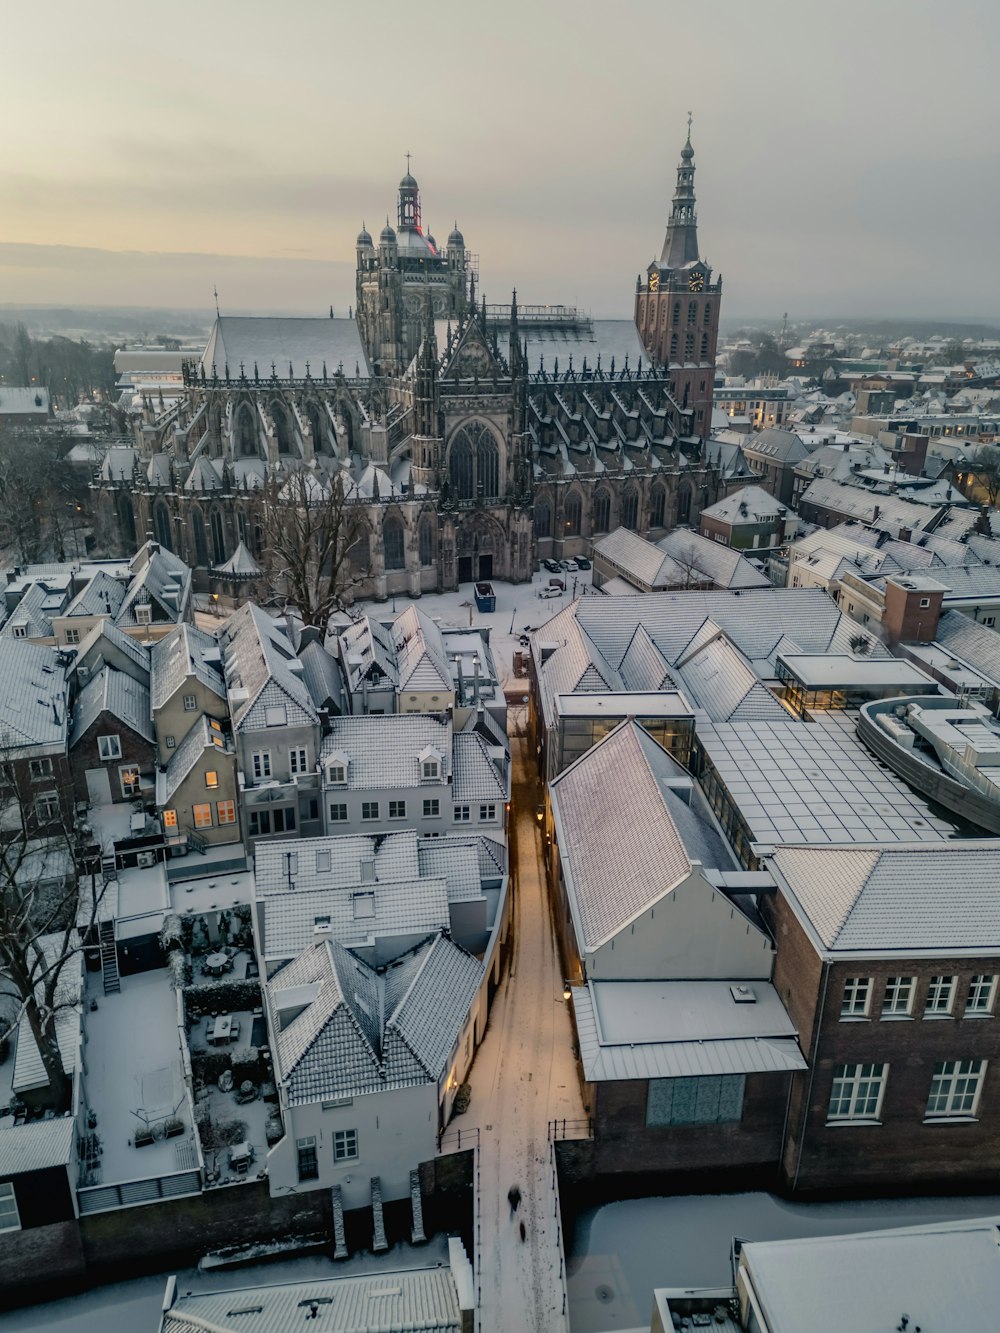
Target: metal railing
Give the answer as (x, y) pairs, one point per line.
(458, 1140)
(130, 1193)
(571, 1129)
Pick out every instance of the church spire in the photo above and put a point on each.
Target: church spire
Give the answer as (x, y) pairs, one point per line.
(680, 245)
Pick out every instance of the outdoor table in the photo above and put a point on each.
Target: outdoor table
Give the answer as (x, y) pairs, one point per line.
(241, 1155)
(217, 962)
(221, 1028)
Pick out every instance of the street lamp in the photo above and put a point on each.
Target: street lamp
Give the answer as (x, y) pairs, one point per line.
(567, 991)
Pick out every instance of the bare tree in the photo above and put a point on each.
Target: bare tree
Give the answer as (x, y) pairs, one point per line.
(689, 573)
(45, 918)
(986, 470)
(309, 528)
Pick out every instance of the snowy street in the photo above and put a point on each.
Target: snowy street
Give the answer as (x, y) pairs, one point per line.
(524, 1076)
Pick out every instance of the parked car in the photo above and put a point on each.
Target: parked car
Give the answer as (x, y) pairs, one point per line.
(550, 592)
(582, 562)
(571, 566)
(551, 565)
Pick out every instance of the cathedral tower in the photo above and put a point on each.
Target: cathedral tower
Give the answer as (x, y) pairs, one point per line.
(677, 306)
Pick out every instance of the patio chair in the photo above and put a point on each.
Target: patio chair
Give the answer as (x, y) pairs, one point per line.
(234, 1030)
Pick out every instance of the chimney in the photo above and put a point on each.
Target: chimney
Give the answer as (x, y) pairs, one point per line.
(911, 611)
(875, 513)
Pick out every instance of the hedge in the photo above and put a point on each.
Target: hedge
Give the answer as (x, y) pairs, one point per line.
(224, 996)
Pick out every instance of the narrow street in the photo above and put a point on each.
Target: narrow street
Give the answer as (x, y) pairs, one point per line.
(524, 1076)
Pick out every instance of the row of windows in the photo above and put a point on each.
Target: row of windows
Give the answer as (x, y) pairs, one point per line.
(265, 821)
(430, 809)
(298, 763)
(345, 1149)
(602, 512)
(688, 347)
(225, 813)
(858, 1090)
(899, 996)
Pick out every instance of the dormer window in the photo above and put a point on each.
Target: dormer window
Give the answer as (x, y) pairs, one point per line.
(144, 615)
(336, 770)
(430, 765)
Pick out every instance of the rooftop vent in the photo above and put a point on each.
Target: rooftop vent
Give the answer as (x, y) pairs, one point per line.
(743, 994)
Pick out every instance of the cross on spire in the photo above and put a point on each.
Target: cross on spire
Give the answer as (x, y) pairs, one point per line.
(407, 163)
(215, 293)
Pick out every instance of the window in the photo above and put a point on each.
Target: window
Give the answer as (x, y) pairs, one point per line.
(338, 812)
(363, 905)
(487, 813)
(856, 998)
(260, 823)
(190, 703)
(462, 814)
(898, 998)
(226, 810)
(430, 770)
(397, 809)
(284, 820)
(345, 1145)
(432, 808)
(337, 1102)
(262, 765)
(47, 806)
(857, 1092)
(169, 742)
(72, 636)
(711, 1099)
(369, 809)
(308, 1161)
(276, 715)
(955, 1087)
(940, 994)
(297, 761)
(336, 775)
(42, 768)
(170, 819)
(211, 778)
(202, 815)
(20, 631)
(392, 544)
(10, 1218)
(144, 616)
(925, 601)
(982, 992)
(129, 778)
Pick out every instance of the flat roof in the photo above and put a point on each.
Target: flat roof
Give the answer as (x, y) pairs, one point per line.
(813, 782)
(620, 703)
(830, 670)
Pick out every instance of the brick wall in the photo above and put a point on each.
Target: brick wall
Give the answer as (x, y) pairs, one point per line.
(85, 755)
(33, 1261)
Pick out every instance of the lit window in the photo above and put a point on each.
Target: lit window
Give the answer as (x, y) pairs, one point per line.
(226, 811)
(940, 994)
(982, 992)
(202, 816)
(345, 1145)
(857, 996)
(308, 1161)
(463, 814)
(10, 1218)
(857, 1092)
(262, 765)
(170, 819)
(487, 813)
(211, 778)
(297, 761)
(898, 997)
(338, 812)
(129, 778)
(369, 809)
(397, 809)
(432, 808)
(955, 1087)
(190, 703)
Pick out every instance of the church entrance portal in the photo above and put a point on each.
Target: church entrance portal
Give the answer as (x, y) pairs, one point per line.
(486, 567)
(465, 569)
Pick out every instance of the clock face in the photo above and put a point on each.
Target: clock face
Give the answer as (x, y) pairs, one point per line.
(696, 281)
(654, 281)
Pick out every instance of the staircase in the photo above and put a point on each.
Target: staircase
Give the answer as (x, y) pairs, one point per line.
(109, 867)
(379, 1242)
(339, 1239)
(109, 958)
(195, 841)
(417, 1236)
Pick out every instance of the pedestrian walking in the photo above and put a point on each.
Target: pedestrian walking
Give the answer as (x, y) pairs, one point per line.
(524, 1231)
(514, 1198)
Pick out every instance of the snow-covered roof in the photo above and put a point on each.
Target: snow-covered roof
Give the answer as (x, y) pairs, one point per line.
(102, 596)
(183, 654)
(322, 676)
(887, 900)
(383, 750)
(609, 339)
(725, 567)
(32, 617)
(36, 1145)
(114, 693)
(420, 652)
(33, 699)
(682, 1029)
(750, 504)
(263, 675)
(240, 565)
(973, 642)
(28, 400)
(475, 775)
(286, 341)
(718, 678)
(205, 734)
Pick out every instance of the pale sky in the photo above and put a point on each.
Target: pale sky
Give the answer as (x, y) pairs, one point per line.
(847, 153)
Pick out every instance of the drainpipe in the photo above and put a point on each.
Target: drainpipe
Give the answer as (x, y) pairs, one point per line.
(813, 1048)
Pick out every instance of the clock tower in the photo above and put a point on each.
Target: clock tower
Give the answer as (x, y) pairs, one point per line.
(677, 306)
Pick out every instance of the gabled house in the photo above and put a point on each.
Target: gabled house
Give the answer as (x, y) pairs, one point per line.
(366, 1063)
(158, 596)
(185, 683)
(197, 789)
(34, 732)
(112, 748)
(105, 644)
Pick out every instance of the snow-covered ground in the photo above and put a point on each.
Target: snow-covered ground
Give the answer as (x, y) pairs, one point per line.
(621, 1251)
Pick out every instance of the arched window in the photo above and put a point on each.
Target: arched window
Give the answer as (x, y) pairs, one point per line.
(707, 312)
(602, 511)
(198, 531)
(161, 525)
(657, 507)
(360, 555)
(392, 543)
(317, 428)
(281, 431)
(126, 521)
(242, 528)
(218, 537)
(704, 347)
(474, 462)
(573, 512)
(677, 312)
(688, 346)
(673, 347)
(543, 520)
(258, 539)
(692, 312)
(683, 503)
(246, 431)
(630, 511)
(426, 535)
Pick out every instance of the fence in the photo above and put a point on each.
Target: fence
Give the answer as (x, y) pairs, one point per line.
(570, 1129)
(130, 1193)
